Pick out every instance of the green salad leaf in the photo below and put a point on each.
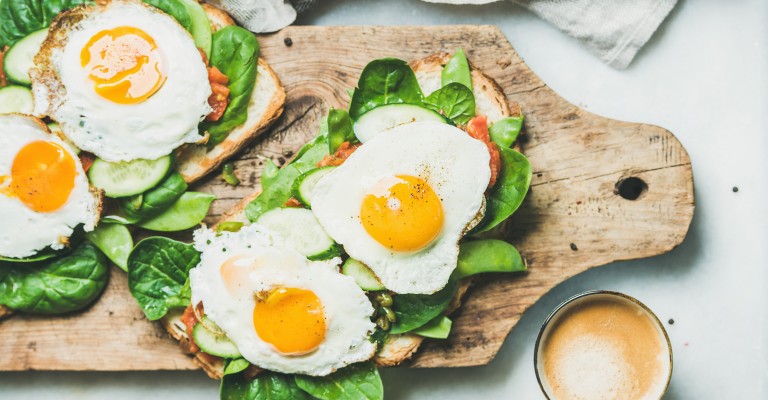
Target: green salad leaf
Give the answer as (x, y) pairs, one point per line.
(187, 212)
(266, 386)
(487, 255)
(357, 381)
(175, 9)
(415, 310)
(385, 81)
(158, 272)
(339, 129)
(504, 132)
(438, 328)
(114, 240)
(235, 52)
(236, 365)
(155, 200)
(457, 70)
(269, 174)
(65, 284)
(19, 18)
(508, 192)
(454, 101)
(279, 188)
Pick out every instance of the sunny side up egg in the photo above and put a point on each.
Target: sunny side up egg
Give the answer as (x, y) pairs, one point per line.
(403, 200)
(44, 193)
(124, 81)
(283, 312)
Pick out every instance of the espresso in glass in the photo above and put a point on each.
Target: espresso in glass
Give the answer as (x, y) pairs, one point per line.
(603, 345)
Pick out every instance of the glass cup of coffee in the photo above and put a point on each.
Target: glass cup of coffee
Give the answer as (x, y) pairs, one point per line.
(603, 345)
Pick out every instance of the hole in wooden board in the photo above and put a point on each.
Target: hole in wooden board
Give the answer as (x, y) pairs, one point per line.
(631, 188)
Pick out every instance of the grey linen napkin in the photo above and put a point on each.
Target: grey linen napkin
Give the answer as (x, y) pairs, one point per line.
(614, 30)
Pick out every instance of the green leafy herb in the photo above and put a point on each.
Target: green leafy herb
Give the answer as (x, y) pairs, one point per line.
(114, 240)
(510, 189)
(279, 188)
(65, 284)
(155, 200)
(339, 129)
(357, 381)
(454, 101)
(504, 131)
(415, 310)
(266, 386)
(236, 365)
(235, 52)
(19, 18)
(228, 173)
(457, 70)
(187, 212)
(438, 328)
(385, 81)
(487, 255)
(158, 271)
(175, 9)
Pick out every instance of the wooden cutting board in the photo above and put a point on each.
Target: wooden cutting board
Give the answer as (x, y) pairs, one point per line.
(576, 216)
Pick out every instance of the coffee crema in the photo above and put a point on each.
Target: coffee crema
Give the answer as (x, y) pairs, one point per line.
(603, 346)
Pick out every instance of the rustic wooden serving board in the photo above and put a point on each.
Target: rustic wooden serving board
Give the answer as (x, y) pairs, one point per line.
(574, 218)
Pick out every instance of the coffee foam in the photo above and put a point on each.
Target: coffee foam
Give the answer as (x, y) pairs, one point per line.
(604, 349)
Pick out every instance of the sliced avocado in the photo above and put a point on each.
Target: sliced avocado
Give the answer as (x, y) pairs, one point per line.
(201, 26)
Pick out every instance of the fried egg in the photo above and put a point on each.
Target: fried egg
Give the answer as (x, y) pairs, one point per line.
(124, 81)
(283, 312)
(403, 200)
(44, 193)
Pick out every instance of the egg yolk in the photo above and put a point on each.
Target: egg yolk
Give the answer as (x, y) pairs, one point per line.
(124, 64)
(402, 213)
(42, 176)
(290, 319)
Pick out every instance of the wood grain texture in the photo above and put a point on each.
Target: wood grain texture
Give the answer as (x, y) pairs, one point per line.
(577, 157)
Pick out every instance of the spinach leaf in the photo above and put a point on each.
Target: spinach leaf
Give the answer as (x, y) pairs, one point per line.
(278, 190)
(457, 70)
(155, 200)
(114, 240)
(438, 328)
(339, 129)
(488, 255)
(266, 386)
(236, 365)
(158, 271)
(175, 9)
(504, 131)
(454, 101)
(187, 212)
(235, 52)
(510, 189)
(19, 18)
(385, 81)
(65, 284)
(415, 310)
(357, 381)
(269, 174)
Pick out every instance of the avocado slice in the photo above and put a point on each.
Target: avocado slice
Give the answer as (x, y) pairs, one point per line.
(201, 26)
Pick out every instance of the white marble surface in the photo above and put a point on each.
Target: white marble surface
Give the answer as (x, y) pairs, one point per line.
(704, 76)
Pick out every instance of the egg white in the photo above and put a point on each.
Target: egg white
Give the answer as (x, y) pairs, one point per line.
(346, 307)
(24, 232)
(122, 132)
(455, 166)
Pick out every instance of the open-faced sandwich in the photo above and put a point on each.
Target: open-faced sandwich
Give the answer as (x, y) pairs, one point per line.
(358, 248)
(146, 97)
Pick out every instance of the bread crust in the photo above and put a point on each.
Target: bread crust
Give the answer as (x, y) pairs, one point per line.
(396, 348)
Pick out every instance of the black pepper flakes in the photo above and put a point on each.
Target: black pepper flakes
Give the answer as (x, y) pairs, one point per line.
(735, 189)
(288, 42)
(573, 247)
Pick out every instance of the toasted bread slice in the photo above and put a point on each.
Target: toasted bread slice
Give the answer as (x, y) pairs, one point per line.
(266, 105)
(490, 101)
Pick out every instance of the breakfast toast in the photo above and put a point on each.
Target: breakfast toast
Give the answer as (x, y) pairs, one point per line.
(490, 101)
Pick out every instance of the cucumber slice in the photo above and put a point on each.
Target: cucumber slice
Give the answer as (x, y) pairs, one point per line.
(388, 116)
(15, 99)
(215, 344)
(300, 228)
(305, 184)
(128, 178)
(201, 26)
(20, 58)
(363, 275)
